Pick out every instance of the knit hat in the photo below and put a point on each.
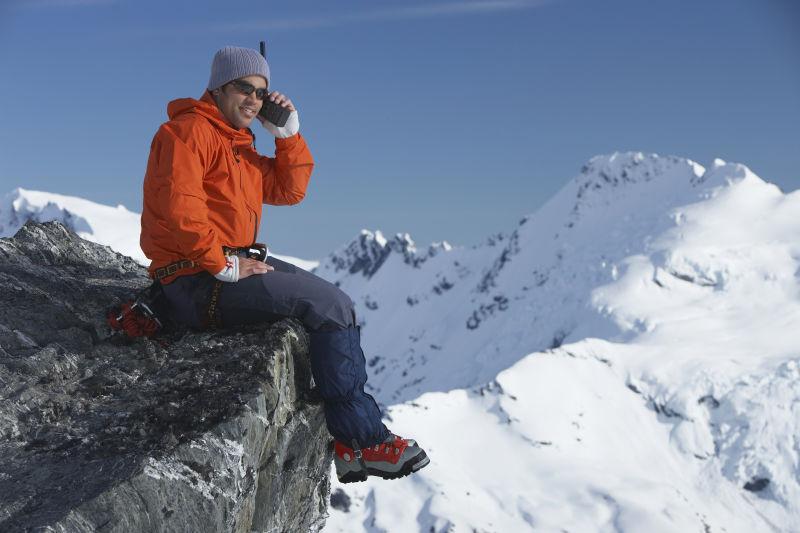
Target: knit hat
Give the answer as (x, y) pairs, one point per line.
(232, 62)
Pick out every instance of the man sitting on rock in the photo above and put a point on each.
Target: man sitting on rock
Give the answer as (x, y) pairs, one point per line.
(203, 190)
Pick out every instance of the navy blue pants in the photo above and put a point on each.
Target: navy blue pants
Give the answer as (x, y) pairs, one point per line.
(337, 361)
(288, 291)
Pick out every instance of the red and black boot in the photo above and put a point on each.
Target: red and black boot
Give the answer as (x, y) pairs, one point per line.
(393, 458)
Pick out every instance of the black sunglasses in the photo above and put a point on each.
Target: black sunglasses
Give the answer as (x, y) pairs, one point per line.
(247, 89)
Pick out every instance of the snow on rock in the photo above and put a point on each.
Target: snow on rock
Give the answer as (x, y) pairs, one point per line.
(625, 359)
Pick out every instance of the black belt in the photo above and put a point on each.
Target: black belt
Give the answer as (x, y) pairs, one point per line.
(256, 251)
(171, 269)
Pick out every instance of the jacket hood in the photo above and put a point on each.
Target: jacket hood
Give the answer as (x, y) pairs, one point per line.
(207, 108)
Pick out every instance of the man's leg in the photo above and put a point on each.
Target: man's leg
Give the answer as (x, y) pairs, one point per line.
(287, 291)
(337, 361)
(363, 444)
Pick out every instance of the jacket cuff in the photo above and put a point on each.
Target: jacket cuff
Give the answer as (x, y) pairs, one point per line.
(229, 274)
(214, 261)
(287, 143)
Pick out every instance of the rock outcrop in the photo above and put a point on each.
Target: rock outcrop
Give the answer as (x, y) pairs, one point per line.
(194, 431)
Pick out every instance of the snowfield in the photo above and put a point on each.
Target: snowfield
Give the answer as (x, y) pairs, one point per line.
(626, 359)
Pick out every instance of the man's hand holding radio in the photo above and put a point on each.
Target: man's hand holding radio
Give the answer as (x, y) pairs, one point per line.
(292, 125)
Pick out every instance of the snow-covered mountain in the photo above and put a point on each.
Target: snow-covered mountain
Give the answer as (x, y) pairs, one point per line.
(115, 227)
(626, 359)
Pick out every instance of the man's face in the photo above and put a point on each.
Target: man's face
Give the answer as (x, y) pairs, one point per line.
(240, 109)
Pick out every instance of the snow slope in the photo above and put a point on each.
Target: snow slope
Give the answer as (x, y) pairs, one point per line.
(625, 360)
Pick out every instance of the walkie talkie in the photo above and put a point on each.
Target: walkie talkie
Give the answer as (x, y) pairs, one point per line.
(270, 111)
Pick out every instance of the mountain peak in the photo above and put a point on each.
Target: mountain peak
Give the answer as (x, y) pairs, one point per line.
(604, 172)
(626, 181)
(369, 250)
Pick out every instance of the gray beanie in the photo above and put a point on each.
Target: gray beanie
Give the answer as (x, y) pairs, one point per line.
(232, 62)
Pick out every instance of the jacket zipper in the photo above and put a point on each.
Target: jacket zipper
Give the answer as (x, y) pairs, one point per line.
(241, 188)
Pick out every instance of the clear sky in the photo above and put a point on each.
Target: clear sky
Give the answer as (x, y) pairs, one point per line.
(446, 119)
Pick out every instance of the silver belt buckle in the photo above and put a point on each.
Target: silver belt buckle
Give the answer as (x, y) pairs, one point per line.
(258, 251)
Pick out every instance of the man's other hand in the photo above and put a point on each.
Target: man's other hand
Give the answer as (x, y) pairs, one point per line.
(248, 267)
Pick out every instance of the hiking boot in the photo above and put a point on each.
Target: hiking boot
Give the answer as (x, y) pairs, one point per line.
(393, 458)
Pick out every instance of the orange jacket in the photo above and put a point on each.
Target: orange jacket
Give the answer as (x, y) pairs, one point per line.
(205, 184)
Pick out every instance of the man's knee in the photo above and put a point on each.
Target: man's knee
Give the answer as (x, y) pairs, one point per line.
(338, 311)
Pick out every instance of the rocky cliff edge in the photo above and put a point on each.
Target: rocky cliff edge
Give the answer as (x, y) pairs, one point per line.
(193, 431)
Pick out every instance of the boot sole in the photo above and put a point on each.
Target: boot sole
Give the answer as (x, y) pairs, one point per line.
(419, 462)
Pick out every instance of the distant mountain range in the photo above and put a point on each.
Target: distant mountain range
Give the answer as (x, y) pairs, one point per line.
(624, 359)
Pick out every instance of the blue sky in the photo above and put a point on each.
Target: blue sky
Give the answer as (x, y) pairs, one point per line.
(449, 120)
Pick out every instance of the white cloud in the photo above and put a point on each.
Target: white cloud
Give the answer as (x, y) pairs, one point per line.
(60, 3)
(396, 13)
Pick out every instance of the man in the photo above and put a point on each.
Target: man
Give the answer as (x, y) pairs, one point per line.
(203, 190)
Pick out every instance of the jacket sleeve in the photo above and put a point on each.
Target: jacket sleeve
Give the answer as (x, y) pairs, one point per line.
(285, 177)
(176, 171)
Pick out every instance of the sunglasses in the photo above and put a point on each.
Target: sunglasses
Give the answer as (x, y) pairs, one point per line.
(247, 89)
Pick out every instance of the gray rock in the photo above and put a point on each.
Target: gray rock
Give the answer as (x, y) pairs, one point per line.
(193, 431)
(340, 500)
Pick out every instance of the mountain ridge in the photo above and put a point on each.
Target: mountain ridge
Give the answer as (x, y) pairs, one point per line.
(623, 360)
